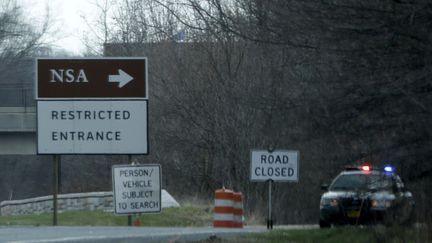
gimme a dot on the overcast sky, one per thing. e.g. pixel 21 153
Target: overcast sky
pixel 68 21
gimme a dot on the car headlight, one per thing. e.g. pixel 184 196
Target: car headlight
pixel 329 202
pixel 381 203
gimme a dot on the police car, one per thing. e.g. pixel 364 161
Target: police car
pixel 363 195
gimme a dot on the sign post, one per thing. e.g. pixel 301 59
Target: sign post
pixel 270 219
pixel 56 163
pixel 90 106
pixel 129 217
pixel 274 166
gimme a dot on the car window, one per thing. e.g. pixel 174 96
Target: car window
pixel 380 182
pixel 361 182
pixel 346 182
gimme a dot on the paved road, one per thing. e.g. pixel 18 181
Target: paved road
pixel 115 234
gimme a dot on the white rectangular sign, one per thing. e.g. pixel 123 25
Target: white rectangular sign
pixel 137 189
pixel 279 165
pixel 92 127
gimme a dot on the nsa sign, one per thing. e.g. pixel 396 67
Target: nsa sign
pixel 92 106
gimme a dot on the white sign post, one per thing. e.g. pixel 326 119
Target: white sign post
pixel 137 189
pixel 277 165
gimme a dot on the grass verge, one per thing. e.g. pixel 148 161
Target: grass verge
pixel 378 234
pixel 296 236
pixel 181 217
pixel 199 216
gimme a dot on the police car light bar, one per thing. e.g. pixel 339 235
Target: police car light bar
pixel 364 168
pixel 369 168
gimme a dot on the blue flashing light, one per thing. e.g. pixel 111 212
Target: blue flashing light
pixel 388 169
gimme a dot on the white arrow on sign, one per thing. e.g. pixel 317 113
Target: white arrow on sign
pixel 122 78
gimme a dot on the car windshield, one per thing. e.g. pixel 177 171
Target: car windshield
pixel 361 182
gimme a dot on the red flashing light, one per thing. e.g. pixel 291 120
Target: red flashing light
pixel 366 168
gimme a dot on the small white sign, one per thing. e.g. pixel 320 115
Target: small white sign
pixel 279 165
pixel 92 127
pixel 137 189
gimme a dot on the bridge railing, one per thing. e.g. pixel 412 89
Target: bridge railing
pixel 17 96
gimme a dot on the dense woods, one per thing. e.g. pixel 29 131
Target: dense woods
pixel 342 82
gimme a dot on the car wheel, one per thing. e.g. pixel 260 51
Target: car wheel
pixel 390 217
pixel 409 215
pixel 323 224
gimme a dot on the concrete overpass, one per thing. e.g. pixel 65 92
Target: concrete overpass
pixel 17 108
pixel 18 130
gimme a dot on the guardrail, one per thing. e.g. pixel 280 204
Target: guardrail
pixel 66 202
pixel 17 119
pixel 89 201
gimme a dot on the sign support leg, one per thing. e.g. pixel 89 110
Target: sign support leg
pixel 129 216
pixel 56 162
pixel 269 219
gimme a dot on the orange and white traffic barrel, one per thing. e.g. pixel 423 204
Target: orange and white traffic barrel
pixel 223 208
pixel 238 210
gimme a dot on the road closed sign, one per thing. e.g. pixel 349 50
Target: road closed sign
pixel 137 189
pixel 278 165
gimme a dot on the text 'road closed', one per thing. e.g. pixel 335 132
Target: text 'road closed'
pixel 280 165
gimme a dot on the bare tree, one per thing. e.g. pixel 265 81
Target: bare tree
pixel 341 81
pixel 18 38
